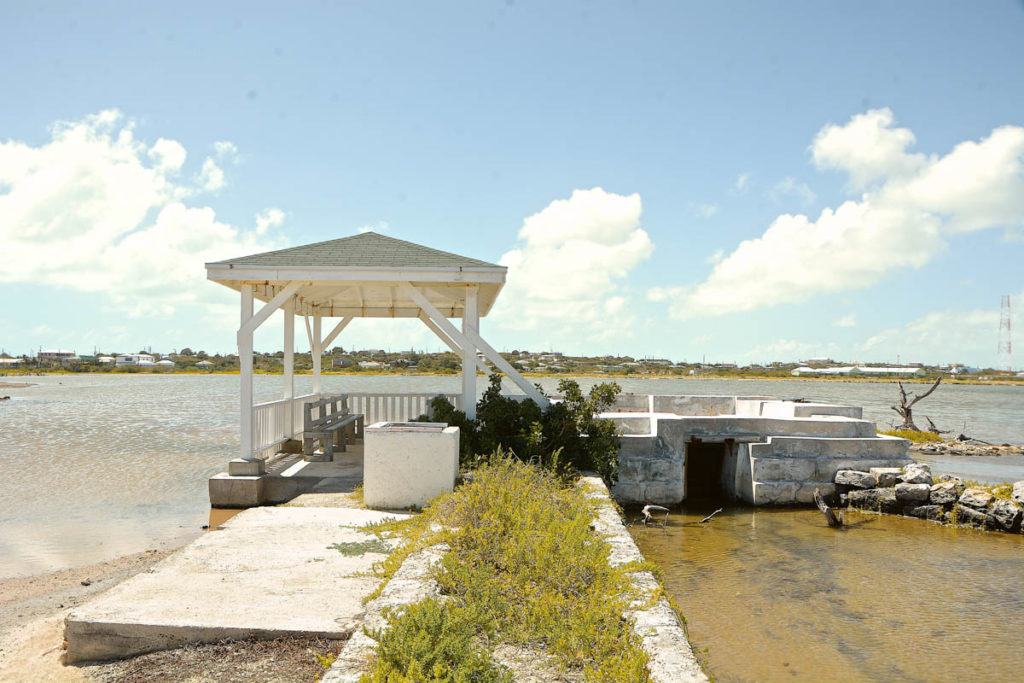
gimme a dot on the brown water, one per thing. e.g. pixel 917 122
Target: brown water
pixel 775 595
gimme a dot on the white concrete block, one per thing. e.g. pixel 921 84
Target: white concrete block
pixel 405 464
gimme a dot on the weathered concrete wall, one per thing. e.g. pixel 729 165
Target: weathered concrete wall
pixel 405 468
pixel 649 471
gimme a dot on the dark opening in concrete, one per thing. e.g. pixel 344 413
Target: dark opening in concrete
pixel 704 470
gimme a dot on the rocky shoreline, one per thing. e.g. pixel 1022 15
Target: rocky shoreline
pixel 969 447
pixel 912 492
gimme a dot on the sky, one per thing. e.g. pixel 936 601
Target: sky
pixel 731 182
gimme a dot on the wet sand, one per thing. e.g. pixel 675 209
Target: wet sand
pixel 33 608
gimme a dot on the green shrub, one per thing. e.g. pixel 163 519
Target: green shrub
pixel 913 436
pixel 566 438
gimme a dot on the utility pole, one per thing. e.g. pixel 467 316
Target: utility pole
pixel 1005 351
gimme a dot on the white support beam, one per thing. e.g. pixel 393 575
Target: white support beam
pixel 245 375
pixel 335 332
pixel 478 342
pixel 484 368
pixel 317 352
pixel 289 362
pixel 309 333
pixel 470 323
pixel 255 321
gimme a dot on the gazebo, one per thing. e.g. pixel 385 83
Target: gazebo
pixel 363 276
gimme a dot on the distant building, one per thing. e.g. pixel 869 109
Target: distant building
pixel 134 359
pixel 204 364
pixel 165 363
pixel 342 362
pixel 860 370
pixel 105 360
pixel 55 356
pixel 10 362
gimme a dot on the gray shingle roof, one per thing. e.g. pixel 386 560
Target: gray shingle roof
pixel 366 250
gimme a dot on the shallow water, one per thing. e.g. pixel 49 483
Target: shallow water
pixel 776 595
pixel 97 466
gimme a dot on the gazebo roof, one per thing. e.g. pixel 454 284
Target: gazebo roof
pixel 362 275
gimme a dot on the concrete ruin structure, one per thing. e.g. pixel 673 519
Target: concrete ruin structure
pixel 760 450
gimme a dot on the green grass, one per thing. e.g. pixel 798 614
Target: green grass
pixel 355 548
pixel 524 569
pixel 913 436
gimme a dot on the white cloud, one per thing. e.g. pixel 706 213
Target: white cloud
pixel 704 210
pixel 787 350
pixel 565 274
pixel 381 227
pixel 225 150
pixel 211 177
pixel 742 181
pixel 267 219
pixel 848 320
pixel 790 187
pixel 716 256
pixel 97 210
pixel 914 203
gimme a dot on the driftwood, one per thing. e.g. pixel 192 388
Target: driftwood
pixel 708 518
pixel 906 405
pixel 933 429
pixel 834 520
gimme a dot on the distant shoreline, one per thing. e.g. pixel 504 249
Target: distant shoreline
pixel 581 375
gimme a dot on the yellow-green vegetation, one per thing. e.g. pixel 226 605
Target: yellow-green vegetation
pixel 355 548
pixel 913 436
pixel 524 569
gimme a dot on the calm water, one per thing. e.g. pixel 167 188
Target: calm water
pixel 102 465
pixel 775 595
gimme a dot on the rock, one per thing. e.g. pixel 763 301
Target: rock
pixel 966 516
pixel 885 476
pixel 844 500
pixel 1018 492
pixel 1006 514
pixel 926 512
pixel 979 499
pixel 887 500
pixel 913 493
pixel 859 480
pixel 867 499
pixel 916 473
pixel 946 492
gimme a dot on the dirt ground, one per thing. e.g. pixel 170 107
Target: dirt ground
pixel 32 612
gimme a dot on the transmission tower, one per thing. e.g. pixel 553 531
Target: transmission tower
pixel 1005 340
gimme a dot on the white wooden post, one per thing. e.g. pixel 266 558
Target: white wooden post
pixel 317 352
pixel 245 376
pixel 470 323
pixel 289 364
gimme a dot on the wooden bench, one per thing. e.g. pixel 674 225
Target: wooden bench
pixel 329 422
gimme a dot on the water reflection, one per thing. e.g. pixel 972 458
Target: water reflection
pixel 777 595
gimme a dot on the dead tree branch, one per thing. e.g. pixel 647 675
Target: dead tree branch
pixel 905 408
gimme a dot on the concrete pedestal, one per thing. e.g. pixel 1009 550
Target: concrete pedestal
pixel 408 463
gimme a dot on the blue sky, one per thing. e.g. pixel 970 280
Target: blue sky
pixel 737 181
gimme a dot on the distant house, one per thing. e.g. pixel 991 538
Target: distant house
pixel 342 362
pixel 55 356
pixel 204 364
pixel 105 360
pixel 141 359
pixel 165 363
pixel 10 362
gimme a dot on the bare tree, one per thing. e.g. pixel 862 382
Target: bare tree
pixel 905 407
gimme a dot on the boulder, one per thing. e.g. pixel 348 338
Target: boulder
pixel 867 499
pixel 979 499
pixel 885 476
pixel 966 516
pixel 1018 492
pixel 858 480
pixel 946 492
pixel 913 493
pixel 925 511
pixel 887 500
pixel 1006 513
pixel 916 473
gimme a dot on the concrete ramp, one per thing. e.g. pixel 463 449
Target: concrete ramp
pixel 269 572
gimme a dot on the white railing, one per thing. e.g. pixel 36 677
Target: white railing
pixel 274 422
pixel 394 407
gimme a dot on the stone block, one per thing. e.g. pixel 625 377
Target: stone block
pixel 933 512
pixel 783 469
pixel 946 492
pixel 912 493
pixel 863 498
pixel 1006 513
pixel 916 473
pixel 628 492
pixel 885 476
pixel 239 467
pixel 227 491
pixel 1018 492
pixel 630 469
pixel 966 516
pixel 859 480
pixel 805 491
pixel 979 499
pixel 664 469
pixel 660 493
pixel 887 500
